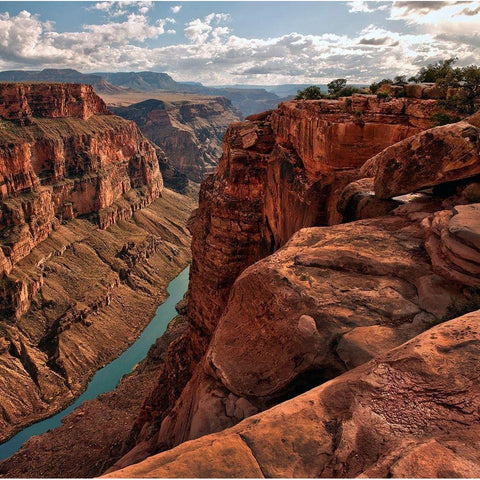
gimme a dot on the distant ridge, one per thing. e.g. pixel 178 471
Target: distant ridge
pixel 64 75
pixel 247 99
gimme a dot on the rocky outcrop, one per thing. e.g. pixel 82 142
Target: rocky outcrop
pixel 189 131
pixel 437 156
pixel 279 172
pixel 73 158
pixel 412 412
pixel 453 243
pixel 282 171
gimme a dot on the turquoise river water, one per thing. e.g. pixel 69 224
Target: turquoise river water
pixel 107 378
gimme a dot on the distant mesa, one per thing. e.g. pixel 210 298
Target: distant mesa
pixel 248 100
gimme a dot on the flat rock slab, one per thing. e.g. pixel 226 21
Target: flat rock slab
pixel 465 224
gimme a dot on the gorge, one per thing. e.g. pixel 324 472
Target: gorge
pixel 88 238
pixel 334 271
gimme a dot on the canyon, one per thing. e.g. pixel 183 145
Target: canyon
pixel 188 128
pixel 330 326
pixel 89 239
pixel 304 268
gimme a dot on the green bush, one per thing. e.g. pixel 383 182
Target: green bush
pixel 383 95
pixel 434 71
pixel 310 93
pixel 440 118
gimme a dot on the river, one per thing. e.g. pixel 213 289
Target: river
pixel 107 378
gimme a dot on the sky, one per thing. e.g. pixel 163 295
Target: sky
pixel 220 43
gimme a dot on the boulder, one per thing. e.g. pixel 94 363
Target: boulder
pixel 439 155
pixel 410 412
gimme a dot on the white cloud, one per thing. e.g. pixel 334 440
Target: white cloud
pixel 122 7
pixel 213 54
pixel 199 30
pixel 176 8
pixel 362 6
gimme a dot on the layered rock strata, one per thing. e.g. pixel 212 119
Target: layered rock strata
pixel 73 158
pixel 189 131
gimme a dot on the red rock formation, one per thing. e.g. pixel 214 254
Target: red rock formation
pixel 73 158
pixel 279 172
pixel 412 412
pixel 439 155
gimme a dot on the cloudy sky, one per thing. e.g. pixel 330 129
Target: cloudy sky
pixel 240 42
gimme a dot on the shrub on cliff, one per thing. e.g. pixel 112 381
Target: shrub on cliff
pixel 336 86
pixel 375 86
pixel 434 71
pixel 310 93
pixel 441 118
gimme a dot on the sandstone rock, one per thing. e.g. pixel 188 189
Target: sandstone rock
pixel 433 157
pixel 465 224
pixel 358 202
pixel 331 299
pixel 397 415
pixel 49 100
pixel 414 90
pixel 452 243
pixel 434 92
pixel 324 133
pixel 279 173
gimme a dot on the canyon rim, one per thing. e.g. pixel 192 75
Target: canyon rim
pixel 239 239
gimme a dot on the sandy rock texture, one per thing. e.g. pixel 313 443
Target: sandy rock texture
pixel 411 412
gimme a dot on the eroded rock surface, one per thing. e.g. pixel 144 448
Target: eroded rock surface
pixel 439 155
pixel 412 412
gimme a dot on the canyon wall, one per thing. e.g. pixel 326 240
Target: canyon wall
pixel 87 246
pixel 282 171
pixel 71 158
pixel 188 130
pixel 328 300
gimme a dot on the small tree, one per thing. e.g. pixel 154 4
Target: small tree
pixel 336 86
pixel 376 85
pixel 435 71
pixel 310 93
pixel 471 85
pixel 400 79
